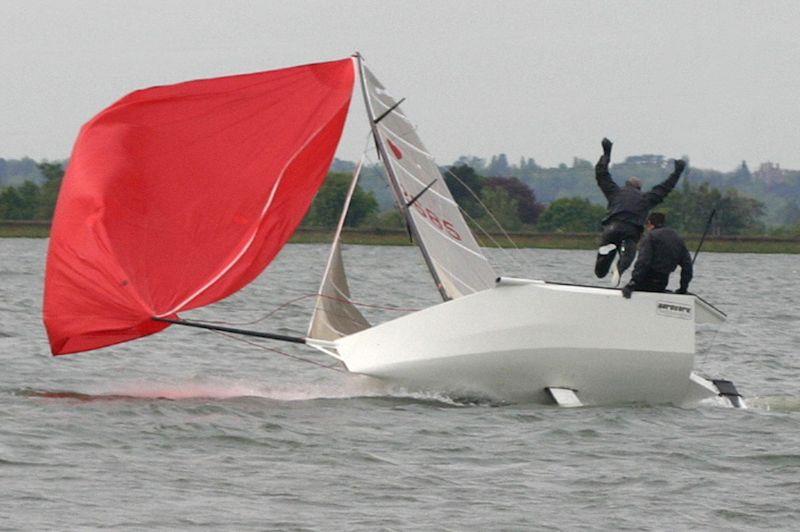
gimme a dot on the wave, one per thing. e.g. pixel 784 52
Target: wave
pixel 355 387
pixel 776 403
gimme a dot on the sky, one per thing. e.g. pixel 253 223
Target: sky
pixel 717 81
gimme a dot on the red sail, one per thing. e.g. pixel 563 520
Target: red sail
pixel 178 196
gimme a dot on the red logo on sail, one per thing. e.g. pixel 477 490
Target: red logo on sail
pixel 397 153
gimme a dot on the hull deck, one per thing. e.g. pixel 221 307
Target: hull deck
pixel 514 341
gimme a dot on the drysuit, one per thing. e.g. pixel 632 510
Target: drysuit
pixel 628 208
pixel 662 251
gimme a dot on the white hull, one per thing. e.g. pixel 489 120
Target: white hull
pixel 514 341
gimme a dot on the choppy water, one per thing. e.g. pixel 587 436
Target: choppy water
pixel 193 430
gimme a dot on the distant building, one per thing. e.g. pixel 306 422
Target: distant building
pixel 770 173
pixel 648 159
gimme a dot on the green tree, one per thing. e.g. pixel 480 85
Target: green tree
pixel 528 210
pixel 790 213
pixel 53 174
pixel 504 208
pixel 581 164
pixel 498 166
pixel 327 206
pixel 10 204
pixel 571 215
pixel 460 180
pixel 392 219
pixel 20 203
pixel 741 177
pixel 688 210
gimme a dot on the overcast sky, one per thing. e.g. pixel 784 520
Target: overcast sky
pixel 717 81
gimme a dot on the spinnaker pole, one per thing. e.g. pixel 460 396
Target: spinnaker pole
pixel 232 330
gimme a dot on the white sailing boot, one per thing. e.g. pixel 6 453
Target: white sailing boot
pixel 605 250
pixel 616 276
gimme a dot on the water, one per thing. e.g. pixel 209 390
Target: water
pixel 193 430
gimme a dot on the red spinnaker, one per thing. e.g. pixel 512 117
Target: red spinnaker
pixel 178 196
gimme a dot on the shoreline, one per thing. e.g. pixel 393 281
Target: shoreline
pixel 399 237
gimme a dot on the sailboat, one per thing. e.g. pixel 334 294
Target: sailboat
pixel 178 196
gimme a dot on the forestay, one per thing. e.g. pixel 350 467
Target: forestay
pixel 450 249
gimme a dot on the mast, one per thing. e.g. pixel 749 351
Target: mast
pixel 398 195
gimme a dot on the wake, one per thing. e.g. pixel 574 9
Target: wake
pixel 356 387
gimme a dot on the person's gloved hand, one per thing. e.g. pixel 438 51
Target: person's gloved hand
pixel 627 291
pixel 680 164
pixel 607 147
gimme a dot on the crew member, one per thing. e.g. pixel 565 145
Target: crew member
pixel 627 210
pixel 662 250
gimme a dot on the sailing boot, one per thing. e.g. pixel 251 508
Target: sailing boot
pixel 616 275
pixel 605 255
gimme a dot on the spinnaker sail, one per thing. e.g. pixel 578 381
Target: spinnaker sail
pixel 453 255
pixel 177 196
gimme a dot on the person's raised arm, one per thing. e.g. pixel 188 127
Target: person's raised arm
pixel 601 173
pixel 660 191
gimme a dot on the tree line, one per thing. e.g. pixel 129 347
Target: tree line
pixel 514 205
pixel 30 201
pixel 776 188
pixel 510 199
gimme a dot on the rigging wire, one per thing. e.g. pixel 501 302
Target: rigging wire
pixel 366 152
pixel 307 296
pixel 368 147
pixel 492 216
pixel 703 353
pixel 526 262
pixel 491 238
pixel 482 229
pixel 332 367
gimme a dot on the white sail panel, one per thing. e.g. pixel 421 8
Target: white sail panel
pixel 453 255
pixel 335 315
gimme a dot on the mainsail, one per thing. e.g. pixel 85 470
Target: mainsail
pixel 177 196
pixel 454 257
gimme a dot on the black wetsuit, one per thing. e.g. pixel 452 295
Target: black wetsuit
pixel 662 250
pixel 628 208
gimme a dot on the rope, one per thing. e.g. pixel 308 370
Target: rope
pixel 713 342
pixel 332 367
pixel 489 212
pixel 368 148
pixel 492 216
pixel 492 239
pixel 525 263
pixel 306 296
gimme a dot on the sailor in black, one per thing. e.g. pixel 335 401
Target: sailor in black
pixel 662 251
pixel 628 207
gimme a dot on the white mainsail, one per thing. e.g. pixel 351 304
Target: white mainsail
pixel 335 315
pixel 454 257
